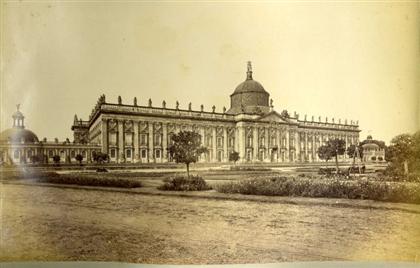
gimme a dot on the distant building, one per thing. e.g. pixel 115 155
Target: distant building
pixel 373 150
pixel 19 145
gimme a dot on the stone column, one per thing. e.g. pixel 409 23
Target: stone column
pixel 297 146
pixel 104 138
pixel 214 144
pixel 287 153
pixel 240 143
pixel 203 142
pixel 255 144
pixel 136 152
pixel 266 145
pixel 150 142
pixel 306 146
pixel 279 144
pixel 164 142
pixel 120 141
pixel 225 145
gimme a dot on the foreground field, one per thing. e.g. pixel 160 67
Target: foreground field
pixel 45 223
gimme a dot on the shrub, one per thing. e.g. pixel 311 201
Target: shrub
pixel 87 180
pixel 248 168
pixel 181 183
pixel 361 188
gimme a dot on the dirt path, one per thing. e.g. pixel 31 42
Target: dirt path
pixel 45 223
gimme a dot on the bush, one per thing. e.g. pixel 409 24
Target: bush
pixel 86 180
pixel 181 183
pixel 20 174
pixel 361 188
pixel 248 168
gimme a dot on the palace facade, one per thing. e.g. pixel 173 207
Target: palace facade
pixel 251 126
pixel 131 133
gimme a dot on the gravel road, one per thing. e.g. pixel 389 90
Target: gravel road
pixel 45 223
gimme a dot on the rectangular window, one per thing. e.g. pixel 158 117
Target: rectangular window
pixel 219 142
pixel 143 139
pixel 50 153
pixel 128 138
pixel 113 138
pixel 128 153
pixel 157 153
pixel 113 153
pixel 231 142
pixel 143 153
pixel 158 139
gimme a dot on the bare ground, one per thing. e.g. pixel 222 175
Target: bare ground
pixel 46 223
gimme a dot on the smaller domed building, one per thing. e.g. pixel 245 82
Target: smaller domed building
pixel 373 150
pixel 19 145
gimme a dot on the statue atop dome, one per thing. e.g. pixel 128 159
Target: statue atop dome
pixel 249 71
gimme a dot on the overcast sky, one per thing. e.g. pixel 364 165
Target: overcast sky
pixel 357 61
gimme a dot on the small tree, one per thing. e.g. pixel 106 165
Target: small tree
pixel 79 158
pixel 332 149
pixel 324 153
pixel 56 159
pixel 401 151
pixel 36 159
pixel 100 157
pixel 337 147
pixel 234 157
pixel 186 148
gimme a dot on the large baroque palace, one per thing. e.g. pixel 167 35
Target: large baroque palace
pixel 141 134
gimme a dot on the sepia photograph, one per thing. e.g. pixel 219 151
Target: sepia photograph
pixel 210 133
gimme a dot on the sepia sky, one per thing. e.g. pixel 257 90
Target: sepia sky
pixel 349 60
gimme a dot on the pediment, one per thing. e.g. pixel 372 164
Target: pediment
pixel 273 117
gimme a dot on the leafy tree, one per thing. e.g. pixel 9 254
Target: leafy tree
pixel 79 158
pixel 338 147
pixel 234 156
pixel 324 153
pixel 35 159
pixel 332 149
pixel 100 157
pixel 186 148
pixel 402 150
pixel 56 159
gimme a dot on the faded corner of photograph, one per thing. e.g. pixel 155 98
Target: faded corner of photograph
pixel 214 132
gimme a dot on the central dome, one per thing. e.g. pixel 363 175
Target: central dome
pixel 249 86
pixel 249 97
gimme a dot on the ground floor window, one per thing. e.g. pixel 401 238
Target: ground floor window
pixel 219 156
pixel 248 155
pixel 16 154
pixel 143 154
pixel 73 154
pixel 29 153
pixel 157 153
pixel 84 154
pixel 113 153
pixel 50 153
pixel 128 153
